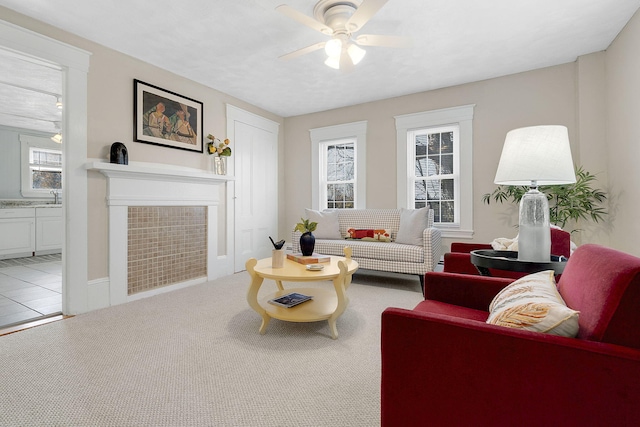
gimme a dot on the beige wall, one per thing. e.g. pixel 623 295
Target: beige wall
pixel 110 110
pixel 545 96
pixel 623 135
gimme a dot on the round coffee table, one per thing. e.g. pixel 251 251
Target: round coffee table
pixel 326 304
pixel 508 260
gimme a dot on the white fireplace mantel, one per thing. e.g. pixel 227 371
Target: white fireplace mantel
pixel 158 170
pixel 152 184
pixel 144 174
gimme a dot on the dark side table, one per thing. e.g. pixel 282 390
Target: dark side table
pixel 508 260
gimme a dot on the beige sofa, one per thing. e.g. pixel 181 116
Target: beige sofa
pixel 415 246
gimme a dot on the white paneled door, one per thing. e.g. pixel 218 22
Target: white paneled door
pixel 255 140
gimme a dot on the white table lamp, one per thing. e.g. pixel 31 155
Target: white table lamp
pixel 533 156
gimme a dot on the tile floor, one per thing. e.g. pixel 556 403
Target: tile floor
pixel 30 288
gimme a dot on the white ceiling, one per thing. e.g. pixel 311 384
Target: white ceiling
pixel 29 91
pixel 233 45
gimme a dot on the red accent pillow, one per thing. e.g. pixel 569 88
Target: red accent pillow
pixel 359 234
pixel 378 235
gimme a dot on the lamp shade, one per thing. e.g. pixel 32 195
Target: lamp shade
pixel 537 153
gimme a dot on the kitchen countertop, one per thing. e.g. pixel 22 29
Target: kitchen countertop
pixel 16 204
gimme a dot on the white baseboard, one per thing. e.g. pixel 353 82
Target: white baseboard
pixel 98 294
pixel 98 290
pixel 165 289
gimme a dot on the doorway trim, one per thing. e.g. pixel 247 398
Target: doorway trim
pixel 75 66
pixel 236 114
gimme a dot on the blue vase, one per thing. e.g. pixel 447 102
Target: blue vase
pixel 307 243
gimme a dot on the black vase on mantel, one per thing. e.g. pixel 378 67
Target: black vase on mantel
pixel 307 243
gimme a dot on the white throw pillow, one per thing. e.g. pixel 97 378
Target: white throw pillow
pixel 328 227
pixel 533 303
pixel 413 222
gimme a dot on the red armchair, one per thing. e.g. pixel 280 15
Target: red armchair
pixel 459 259
pixel 442 365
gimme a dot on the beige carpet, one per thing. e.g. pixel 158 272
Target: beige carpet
pixel 194 357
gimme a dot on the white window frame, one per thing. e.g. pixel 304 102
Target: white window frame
pixel 320 138
pixel 455 175
pixel 406 124
pixel 27 142
pixel 324 173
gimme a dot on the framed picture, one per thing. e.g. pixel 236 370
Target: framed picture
pixel 162 117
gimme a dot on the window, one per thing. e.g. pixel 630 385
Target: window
pixel 436 180
pixel 339 177
pixel 45 167
pixel 41 166
pixel 435 166
pixel 339 166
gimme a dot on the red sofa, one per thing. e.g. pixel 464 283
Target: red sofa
pixel 442 365
pixel 459 259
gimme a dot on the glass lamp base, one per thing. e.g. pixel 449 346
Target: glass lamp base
pixel 534 238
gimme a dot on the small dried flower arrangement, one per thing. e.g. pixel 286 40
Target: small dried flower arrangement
pixel 216 146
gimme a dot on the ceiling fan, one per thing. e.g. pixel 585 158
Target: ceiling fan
pixel 341 20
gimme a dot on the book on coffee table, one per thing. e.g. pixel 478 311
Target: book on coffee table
pixel 290 300
pixel 309 259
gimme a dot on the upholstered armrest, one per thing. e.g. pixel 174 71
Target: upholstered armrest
pixel 439 370
pixel 462 289
pixel 459 262
pixel 432 241
pixel 468 247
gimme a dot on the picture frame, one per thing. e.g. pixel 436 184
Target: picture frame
pixel 165 118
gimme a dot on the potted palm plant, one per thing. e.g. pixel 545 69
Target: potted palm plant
pixel 567 203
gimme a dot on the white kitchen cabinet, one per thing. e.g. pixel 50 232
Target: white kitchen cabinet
pixel 17 232
pixel 48 230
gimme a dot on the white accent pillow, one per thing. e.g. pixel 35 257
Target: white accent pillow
pixel 533 303
pixel 328 227
pixel 413 222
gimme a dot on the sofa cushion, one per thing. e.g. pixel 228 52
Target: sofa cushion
pixel 412 224
pixel 533 303
pixel 373 250
pixel 328 227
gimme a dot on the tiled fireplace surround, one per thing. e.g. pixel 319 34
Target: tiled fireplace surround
pixel 163 224
pixel 166 245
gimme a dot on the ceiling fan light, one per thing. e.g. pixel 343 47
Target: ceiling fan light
pixel 356 53
pixel 333 62
pixel 333 47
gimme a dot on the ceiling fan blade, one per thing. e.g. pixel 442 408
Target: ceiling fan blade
pixel 303 51
pixel 385 41
pixel 304 19
pixel 363 13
